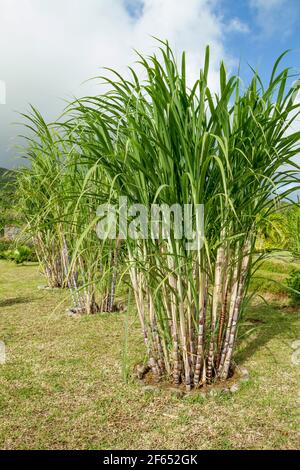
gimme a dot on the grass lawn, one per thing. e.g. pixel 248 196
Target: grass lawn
pixel 63 385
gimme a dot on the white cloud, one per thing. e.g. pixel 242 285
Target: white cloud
pixel 238 26
pixel 49 47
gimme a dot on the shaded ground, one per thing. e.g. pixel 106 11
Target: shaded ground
pixel 63 387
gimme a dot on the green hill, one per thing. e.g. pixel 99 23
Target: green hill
pixel 7 180
pixel 5 175
pixel 7 198
pixel 2 172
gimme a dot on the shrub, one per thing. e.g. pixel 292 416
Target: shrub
pixel 293 281
pixel 19 255
pixel 5 245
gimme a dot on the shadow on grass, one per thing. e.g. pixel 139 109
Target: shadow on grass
pixel 27 264
pixel 267 322
pixel 15 301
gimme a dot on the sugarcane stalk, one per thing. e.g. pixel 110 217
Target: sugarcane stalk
pixel 233 329
pixel 201 327
pixel 214 310
pixel 156 339
pixel 183 336
pixel 222 320
pixel 113 280
pixel 173 302
pixel 136 282
pixel 233 297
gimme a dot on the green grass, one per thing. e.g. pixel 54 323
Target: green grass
pixel 62 386
pixel 269 279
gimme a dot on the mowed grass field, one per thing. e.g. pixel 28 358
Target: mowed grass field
pixel 67 383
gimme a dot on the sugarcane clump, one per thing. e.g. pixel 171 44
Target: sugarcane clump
pixel 159 141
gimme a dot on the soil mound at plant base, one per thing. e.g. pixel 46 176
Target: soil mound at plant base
pixel 149 382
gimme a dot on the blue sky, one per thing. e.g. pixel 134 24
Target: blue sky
pixel 48 48
pixel 258 31
pixel 273 26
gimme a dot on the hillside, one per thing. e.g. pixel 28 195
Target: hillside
pixel 7 198
pixel 5 175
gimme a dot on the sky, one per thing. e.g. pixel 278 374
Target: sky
pixel 50 48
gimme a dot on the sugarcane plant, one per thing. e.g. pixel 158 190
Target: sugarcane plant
pixel 95 262
pixel 160 142
pixel 39 189
pixel 53 194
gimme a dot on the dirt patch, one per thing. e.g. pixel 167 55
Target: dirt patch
pixel 150 383
pixel 291 308
pixel 255 321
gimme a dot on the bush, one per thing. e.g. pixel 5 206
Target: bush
pixel 5 245
pixel 293 281
pixel 19 255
